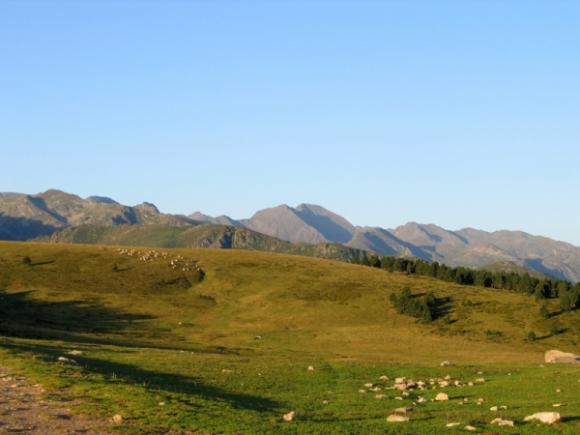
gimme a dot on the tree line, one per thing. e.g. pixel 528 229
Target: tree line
pixel 541 288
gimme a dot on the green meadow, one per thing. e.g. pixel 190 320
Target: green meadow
pixel 228 350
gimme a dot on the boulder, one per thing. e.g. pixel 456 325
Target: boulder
pixel 544 417
pixel 557 357
pixel 395 418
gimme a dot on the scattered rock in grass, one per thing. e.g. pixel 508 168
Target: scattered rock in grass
pixel 383 378
pixel 558 357
pixel 501 422
pixel 556 405
pixel 443 384
pixel 453 424
pixel 227 371
pixel 325 402
pixel 75 352
pixel 289 416
pixel 380 396
pixel 368 385
pixel 544 417
pixel 310 368
pixel 362 391
pixel 441 397
pixel 470 428
pixel 65 360
pixel 445 363
pixel 161 404
pixel 421 399
pixel 398 398
pixel 400 380
pixel 494 408
pixel 396 418
pixel 503 407
pixel 470 384
pixel 403 410
pixel 480 380
pixel 117 419
pixel 558 390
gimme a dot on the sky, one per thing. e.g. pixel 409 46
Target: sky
pixel 458 113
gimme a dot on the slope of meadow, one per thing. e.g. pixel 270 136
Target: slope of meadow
pixel 228 349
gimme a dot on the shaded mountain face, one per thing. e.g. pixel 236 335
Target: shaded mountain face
pixel 23 217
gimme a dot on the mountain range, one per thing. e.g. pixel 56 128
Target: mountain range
pixel 307 228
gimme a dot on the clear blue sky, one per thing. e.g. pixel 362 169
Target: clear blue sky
pixel 460 113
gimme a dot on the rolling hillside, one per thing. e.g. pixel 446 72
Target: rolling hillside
pixel 228 351
pixel 199 236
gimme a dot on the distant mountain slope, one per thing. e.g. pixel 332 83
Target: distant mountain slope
pixel 200 236
pixel 284 223
pixel 25 217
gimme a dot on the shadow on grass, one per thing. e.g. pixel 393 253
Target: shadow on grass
pixel 80 322
pixel 152 380
pixel 23 316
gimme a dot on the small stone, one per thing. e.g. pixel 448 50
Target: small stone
pixel 289 416
pixel 494 409
pixel 480 380
pixel 501 422
pixel 395 418
pixel 383 378
pixel 380 396
pixel 310 368
pixel 64 359
pixel 368 385
pixel 445 364
pixel 454 424
pixel 117 419
pixel 403 410
pixel 556 405
pixel 441 397
pixel 470 428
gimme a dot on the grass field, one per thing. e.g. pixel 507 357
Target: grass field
pixel 229 351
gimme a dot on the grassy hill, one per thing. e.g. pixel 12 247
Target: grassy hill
pixel 227 350
pixel 199 236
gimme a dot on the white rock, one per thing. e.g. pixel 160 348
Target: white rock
pixel 445 363
pixel 421 399
pixel 75 352
pixel 64 359
pixel 558 357
pixel 399 380
pixel 380 396
pixel 310 368
pixel 544 417
pixel 117 419
pixel 502 422
pixel 443 384
pixel 556 405
pixel 441 397
pixel 454 424
pixel 494 409
pixel 368 385
pixel 470 428
pixel 480 380
pixel 403 410
pixel 290 416
pixel 395 418
pixel 383 378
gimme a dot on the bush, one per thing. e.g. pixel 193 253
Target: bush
pixel 544 311
pixel 27 260
pixel 532 336
pixel 422 307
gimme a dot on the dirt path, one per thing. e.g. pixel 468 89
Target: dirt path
pixel 23 409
